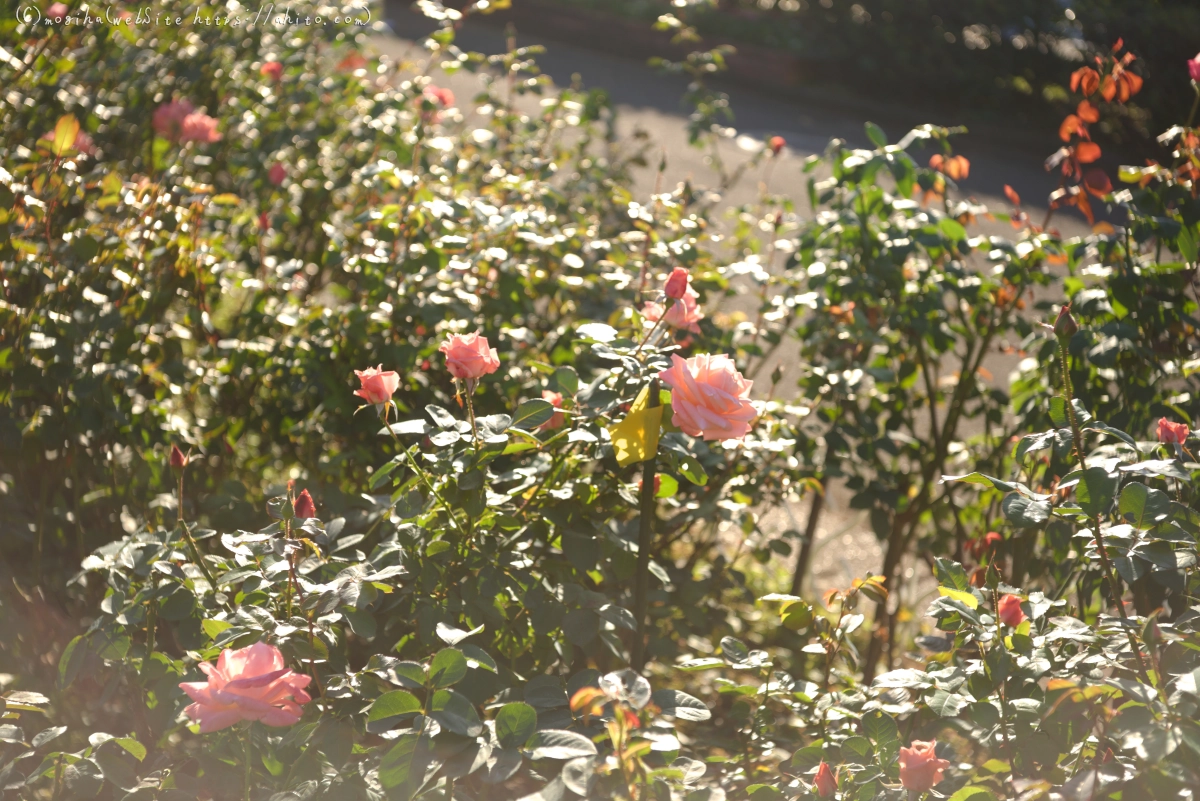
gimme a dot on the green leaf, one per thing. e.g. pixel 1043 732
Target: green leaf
pixel 515 724
pixel 947 704
pixel 560 744
pixel 961 595
pixel 680 705
pixel 1058 412
pixel 987 481
pixel 65 131
pixel 390 709
pixel 455 712
pixel 567 381
pixel 1142 506
pixel 858 749
pixel 875 134
pixel 1095 491
pixel 1025 512
pixel 448 668
pixel 71 661
pixel 952 229
pixel 973 794
pixel 951 574
pixel 581 626
pixel 405 764
pixel 881 729
pixel 532 413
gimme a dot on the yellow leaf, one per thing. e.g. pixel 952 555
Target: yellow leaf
pixel 959 595
pixel 65 132
pixel 226 200
pixel 635 438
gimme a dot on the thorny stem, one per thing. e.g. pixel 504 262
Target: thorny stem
pixel 421 473
pixel 657 324
pixel 1195 103
pixel 645 541
pixel 1105 563
pixel 1003 686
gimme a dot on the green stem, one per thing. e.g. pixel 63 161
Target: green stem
pixel 471 411
pixel 246 779
pixel 645 541
pixel 1105 564
pixel 1195 103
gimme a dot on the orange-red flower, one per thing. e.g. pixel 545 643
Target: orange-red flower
pixel 825 782
pixel 956 167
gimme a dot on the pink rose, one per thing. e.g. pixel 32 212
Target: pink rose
pixel 1194 68
pixel 57 11
pixel 304 506
pixel 920 768
pixel 251 683
pixel 678 283
pixel 556 400
pixel 709 397
pixel 438 95
pixel 469 357
pixel 168 118
pixel 272 70
pixel 825 782
pixel 776 143
pixel 1009 610
pixel 198 127
pixel 1172 433
pixel 684 313
pixel 277 173
pixel 378 385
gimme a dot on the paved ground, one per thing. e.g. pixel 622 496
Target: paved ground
pixel 650 101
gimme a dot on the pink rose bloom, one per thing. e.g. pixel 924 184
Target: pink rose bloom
pixel 709 397
pixel 469 357
pixel 57 11
pixel 684 313
pixel 277 173
pixel 1010 610
pixel 198 127
pixel 378 385
pixel 436 94
pixel 920 768
pixel 555 399
pixel 677 284
pixel 1172 433
pixel 1194 68
pixel 272 70
pixel 168 118
pixel 251 683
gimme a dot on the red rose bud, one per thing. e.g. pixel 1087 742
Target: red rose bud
pixel 825 782
pixel 264 222
pixel 1065 326
pixel 776 143
pixel 677 284
pixel 304 505
pixel 1194 68
pixel 178 458
pixel 1010 611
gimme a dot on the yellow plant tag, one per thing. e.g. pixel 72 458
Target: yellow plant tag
pixel 635 439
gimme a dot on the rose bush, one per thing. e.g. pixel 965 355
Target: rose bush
pixel 524 556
